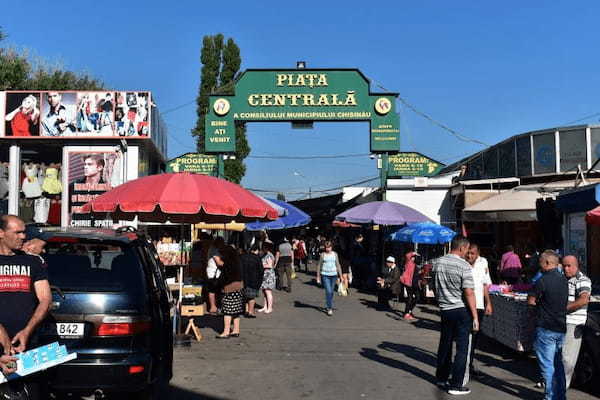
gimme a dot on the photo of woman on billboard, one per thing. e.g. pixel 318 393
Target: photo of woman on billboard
pixel 24 118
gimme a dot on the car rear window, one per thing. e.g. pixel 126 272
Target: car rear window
pixel 93 266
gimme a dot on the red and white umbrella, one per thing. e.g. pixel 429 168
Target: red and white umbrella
pixel 181 198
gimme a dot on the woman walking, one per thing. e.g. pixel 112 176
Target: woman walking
pixel 252 275
pixel 233 300
pixel 269 280
pixel 410 282
pixel 328 271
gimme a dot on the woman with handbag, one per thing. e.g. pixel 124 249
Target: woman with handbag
pixel 328 272
pixel 409 279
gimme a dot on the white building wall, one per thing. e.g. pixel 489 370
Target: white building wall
pixel 435 204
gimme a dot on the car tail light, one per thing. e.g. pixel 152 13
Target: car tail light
pixel 123 328
pixel 136 369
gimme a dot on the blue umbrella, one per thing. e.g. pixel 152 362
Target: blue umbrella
pixel 424 232
pixel 294 218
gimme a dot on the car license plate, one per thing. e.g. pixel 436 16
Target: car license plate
pixel 65 329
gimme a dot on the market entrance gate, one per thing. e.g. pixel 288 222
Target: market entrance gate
pixel 302 96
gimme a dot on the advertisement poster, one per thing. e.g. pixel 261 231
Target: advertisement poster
pixel 171 254
pixel 91 174
pixel 22 117
pixel 56 114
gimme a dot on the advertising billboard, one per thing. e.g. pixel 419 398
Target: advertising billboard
pixel 62 114
pixel 90 174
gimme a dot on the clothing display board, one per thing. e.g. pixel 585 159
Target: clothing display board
pixel 511 323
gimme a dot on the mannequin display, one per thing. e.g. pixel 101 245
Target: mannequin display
pixel 51 183
pixel 3 180
pixel 41 208
pixel 31 186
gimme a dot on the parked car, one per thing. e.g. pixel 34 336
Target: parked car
pixel 111 306
pixel 587 370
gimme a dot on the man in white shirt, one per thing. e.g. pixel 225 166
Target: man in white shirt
pixel 482 280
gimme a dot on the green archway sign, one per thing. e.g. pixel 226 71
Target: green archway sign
pixel 302 95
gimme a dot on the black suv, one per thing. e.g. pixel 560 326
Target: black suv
pixel 111 306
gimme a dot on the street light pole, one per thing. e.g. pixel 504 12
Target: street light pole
pixel 296 173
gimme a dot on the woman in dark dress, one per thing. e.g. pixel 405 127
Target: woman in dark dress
pixel 252 276
pixel 233 299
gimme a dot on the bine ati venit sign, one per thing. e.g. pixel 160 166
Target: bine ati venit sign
pixel 302 96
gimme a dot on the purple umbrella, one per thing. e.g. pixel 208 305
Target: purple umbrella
pixel 382 213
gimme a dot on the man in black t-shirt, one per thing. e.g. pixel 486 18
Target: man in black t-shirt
pixel 25 294
pixel 550 297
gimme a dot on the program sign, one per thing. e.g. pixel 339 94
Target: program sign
pixel 412 164
pixel 194 162
pixel 302 95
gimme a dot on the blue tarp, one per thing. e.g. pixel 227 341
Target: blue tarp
pixel 294 218
pixel 578 200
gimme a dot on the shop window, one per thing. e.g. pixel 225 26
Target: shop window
pixel 40 185
pixel 524 156
pixel 573 150
pixel 507 159
pixel 595 144
pixel 490 163
pixel 475 167
pixel 544 153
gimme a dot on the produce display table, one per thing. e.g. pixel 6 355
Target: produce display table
pixel 511 323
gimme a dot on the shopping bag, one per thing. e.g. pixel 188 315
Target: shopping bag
pixel 342 291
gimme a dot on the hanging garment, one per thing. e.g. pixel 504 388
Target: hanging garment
pixel 51 183
pixel 26 210
pixel 41 173
pixel 54 213
pixel 31 186
pixel 41 208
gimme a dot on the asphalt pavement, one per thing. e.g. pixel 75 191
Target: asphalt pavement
pixel 298 352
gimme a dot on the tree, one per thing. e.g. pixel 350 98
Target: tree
pixel 220 67
pixel 17 73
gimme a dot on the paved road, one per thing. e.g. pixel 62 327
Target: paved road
pixel 298 352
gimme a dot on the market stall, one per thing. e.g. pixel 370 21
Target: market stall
pixel 512 323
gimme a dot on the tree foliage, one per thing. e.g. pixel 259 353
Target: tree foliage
pixel 220 66
pixel 18 73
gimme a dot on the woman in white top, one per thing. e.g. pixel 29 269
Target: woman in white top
pixel 328 271
pixel 269 279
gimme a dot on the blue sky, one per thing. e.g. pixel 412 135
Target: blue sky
pixel 489 70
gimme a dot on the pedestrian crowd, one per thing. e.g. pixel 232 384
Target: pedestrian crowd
pixel 558 301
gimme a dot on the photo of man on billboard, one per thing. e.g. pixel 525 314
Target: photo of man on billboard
pixel 58 114
pixel 90 174
pixel 22 117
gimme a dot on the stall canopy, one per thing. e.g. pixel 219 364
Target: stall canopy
pixel 182 198
pixel 382 213
pixel 281 211
pixel 592 217
pixel 294 218
pixel 510 206
pixel 424 232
